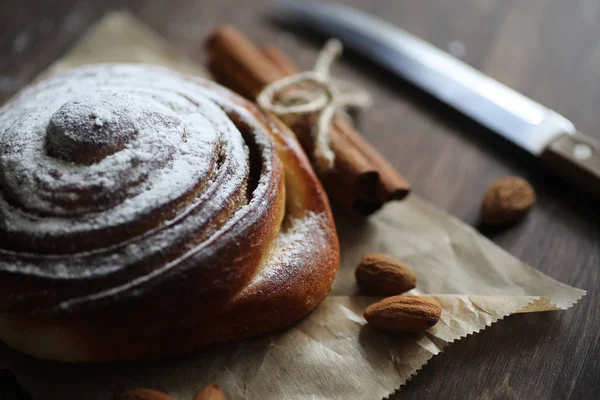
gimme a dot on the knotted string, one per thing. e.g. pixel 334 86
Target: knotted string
pixel 326 97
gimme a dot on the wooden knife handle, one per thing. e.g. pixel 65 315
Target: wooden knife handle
pixel 576 158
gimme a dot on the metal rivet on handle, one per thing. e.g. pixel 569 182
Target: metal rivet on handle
pixel 582 151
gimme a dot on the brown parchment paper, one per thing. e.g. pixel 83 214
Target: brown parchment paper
pixel 332 353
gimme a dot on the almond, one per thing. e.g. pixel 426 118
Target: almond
pixel 382 275
pixel 211 392
pixel 405 314
pixel 143 394
pixel 507 201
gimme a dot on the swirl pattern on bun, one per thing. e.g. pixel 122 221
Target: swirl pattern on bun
pixel 134 198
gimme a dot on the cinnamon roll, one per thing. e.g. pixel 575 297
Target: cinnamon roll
pixel 147 214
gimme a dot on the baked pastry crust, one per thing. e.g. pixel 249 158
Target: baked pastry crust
pixel 146 214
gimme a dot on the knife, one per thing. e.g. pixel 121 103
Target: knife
pixel 530 125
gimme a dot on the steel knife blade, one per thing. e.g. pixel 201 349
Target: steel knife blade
pixel 530 125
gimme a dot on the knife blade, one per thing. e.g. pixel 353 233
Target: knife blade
pixel 530 125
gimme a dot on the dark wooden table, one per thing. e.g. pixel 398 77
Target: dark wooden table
pixel 547 49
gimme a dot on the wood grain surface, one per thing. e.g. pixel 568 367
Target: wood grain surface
pixel 547 49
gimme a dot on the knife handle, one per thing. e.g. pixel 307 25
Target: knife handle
pixel 576 158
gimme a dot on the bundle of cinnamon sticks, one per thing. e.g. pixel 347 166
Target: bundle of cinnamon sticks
pixel 361 180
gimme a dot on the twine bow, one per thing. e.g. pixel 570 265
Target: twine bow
pixel 326 97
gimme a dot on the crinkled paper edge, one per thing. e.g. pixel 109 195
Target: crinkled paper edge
pixel 527 308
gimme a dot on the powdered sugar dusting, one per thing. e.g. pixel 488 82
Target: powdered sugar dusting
pixel 141 174
pixel 302 236
pixel 167 157
pixel 157 135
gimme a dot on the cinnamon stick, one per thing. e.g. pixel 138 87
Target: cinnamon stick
pixel 279 59
pixel 362 180
pixel 233 54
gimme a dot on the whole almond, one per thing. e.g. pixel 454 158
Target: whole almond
pixel 404 314
pixel 211 392
pixel 507 201
pixel 382 275
pixel 142 394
